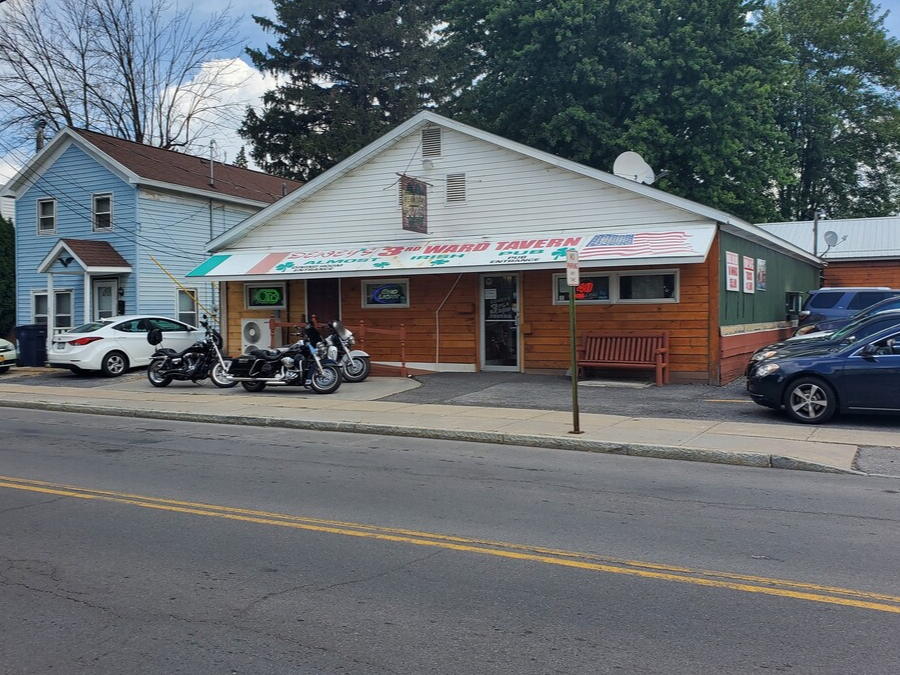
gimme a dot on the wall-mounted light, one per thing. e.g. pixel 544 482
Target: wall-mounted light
pixel 427 164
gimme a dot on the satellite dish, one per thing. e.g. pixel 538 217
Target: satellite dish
pixel 632 166
pixel 831 238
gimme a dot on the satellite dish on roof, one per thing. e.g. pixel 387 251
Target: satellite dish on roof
pixel 831 238
pixel 632 166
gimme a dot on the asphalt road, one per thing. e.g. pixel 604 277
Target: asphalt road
pixel 152 547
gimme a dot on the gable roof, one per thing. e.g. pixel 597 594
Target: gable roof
pixel 155 167
pixel 427 118
pixel 93 256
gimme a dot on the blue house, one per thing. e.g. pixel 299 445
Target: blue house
pixel 107 227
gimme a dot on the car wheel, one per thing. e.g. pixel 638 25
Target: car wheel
pixel 810 400
pixel 114 364
pixel 3 369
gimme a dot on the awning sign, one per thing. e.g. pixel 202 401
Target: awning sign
pixel 687 243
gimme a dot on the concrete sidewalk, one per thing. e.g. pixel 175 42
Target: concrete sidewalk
pixel 357 408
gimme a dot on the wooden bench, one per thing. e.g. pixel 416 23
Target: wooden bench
pixel 626 350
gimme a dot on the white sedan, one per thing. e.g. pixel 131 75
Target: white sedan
pixel 114 345
pixel 8 355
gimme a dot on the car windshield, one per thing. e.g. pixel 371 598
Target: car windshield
pixel 91 327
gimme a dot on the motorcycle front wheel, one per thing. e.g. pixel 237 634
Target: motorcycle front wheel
pixel 326 382
pixel 358 369
pixel 217 375
pixel 253 386
pixel 157 379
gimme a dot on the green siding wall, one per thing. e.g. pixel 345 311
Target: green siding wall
pixel 783 274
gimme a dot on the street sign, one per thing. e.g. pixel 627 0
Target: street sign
pixel 572 276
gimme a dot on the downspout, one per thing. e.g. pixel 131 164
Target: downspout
pixel 437 326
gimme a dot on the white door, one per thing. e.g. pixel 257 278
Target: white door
pixel 105 293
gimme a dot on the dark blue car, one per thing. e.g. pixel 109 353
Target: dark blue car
pixel 812 385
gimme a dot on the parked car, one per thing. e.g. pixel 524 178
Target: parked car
pixel 838 303
pixel 8 355
pixel 861 376
pixel 831 325
pixel 856 330
pixel 114 345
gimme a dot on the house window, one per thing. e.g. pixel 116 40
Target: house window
pixel 614 287
pixel 63 315
pixel 46 209
pixel 102 213
pixel 456 188
pixel 264 296
pixel 187 306
pixel 385 293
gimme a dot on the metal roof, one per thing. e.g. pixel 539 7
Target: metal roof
pixel 857 238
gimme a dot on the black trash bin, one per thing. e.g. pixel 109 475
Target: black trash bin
pixel 32 344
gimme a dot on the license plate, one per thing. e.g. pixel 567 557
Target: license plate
pixel 60 345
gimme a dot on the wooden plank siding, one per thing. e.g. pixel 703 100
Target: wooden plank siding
pixel 863 273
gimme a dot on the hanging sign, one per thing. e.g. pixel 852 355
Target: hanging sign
pixel 414 204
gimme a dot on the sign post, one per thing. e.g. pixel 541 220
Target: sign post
pixel 573 279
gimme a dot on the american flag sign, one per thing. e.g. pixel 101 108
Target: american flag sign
pixel 636 245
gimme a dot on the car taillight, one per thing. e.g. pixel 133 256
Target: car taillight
pixel 81 342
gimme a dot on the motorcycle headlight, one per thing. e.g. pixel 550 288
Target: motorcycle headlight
pixel 766 369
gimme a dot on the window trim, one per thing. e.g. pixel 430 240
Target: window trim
pixel 614 287
pixel 365 294
pixel 40 217
pixel 196 301
pixel 95 213
pixel 35 293
pixel 258 284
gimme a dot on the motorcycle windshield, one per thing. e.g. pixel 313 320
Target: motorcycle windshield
pixel 341 330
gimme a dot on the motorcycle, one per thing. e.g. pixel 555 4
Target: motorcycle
pixel 302 364
pixel 355 364
pixel 201 360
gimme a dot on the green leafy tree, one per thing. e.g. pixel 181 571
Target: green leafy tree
pixel 842 111
pixel 689 84
pixel 347 72
pixel 7 276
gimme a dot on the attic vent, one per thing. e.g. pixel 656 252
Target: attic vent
pixel 431 142
pixel 456 188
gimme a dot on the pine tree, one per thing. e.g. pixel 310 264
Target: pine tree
pixel 351 70
pixel 241 159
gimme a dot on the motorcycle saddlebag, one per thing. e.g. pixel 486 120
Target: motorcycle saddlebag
pixel 249 366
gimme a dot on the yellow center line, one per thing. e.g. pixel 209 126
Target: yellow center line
pixel 584 561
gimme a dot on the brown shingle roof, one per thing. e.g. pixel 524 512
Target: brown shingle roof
pixel 95 253
pixel 189 171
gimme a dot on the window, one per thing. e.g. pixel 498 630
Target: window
pixel 264 296
pixel 102 213
pixel 63 315
pixel 625 287
pixel 385 292
pixel 187 306
pixel 643 287
pixel 46 210
pixel 592 289
pixel 865 299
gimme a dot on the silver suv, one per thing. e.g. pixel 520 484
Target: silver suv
pixel 837 303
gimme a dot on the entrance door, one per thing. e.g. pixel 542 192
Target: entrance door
pixel 105 294
pixel 323 299
pixel 500 322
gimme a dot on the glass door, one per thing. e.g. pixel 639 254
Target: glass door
pixel 105 295
pixel 500 322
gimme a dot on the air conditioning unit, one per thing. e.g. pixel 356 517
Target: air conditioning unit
pixel 255 333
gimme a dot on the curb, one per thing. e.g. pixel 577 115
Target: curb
pixel 603 447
